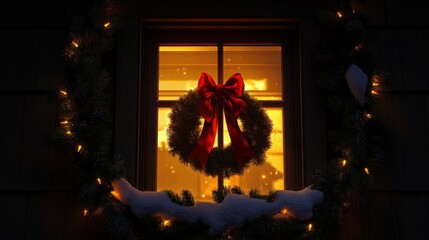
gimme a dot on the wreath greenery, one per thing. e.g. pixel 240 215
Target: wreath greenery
pixel 184 131
pixel 86 126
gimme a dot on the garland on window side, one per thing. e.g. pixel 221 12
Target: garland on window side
pixel 86 127
pixel 355 134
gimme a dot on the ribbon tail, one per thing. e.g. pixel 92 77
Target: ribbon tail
pixel 239 143
pixel 205 143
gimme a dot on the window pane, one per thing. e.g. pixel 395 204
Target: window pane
pixel 260 66
pixel 270 175
pixel 173 175
pixel 180 68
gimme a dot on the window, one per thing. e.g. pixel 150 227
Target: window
pixel 174 66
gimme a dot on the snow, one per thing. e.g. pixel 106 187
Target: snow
pixel 234 211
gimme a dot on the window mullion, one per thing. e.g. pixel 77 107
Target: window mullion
pixel 220 81
pixel 220 183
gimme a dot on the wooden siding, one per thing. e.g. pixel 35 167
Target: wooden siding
pixel 37 200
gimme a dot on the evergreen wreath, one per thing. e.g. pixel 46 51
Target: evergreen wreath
pixel 183 132
pixel 85 125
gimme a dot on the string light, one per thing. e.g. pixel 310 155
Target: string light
pixel 63 92
pixel 310 227
pixel 263 176
pixel 344 162
pixel 375 84
pixel 339 14
pixel 106 25
pixel 64 122
pixel 374 92
pixel 68 132
pixel 115 194
pixel 368 115
pixel 85 212
pixel 358 47
pixel 79 148
pixel 166 223
pixel 366 170
pixel 75 44
pixel 99 180
pixel 284 211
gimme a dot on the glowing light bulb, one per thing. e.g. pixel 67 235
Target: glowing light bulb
pixel 166 223
pixel 344 162
pixel 374 92
pixel 369 115
pixel 375 84
pixel 106 25
pixel 358 47
pixel 115 194
pixel 203 195
pixel 68 132
pixel 99 180
pixel 75 44
pixel 79 148
pixel 63 92
pixel 339 14
pixel 366 170
pixel 85 212
pixel 284 211
pixel 310 227
pixel 263 176
pixel 64 122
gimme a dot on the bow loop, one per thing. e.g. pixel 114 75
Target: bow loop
pixel 230 94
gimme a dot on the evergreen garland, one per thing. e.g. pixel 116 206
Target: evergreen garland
pixel 86 126
pixel 355 133
pixel 184 130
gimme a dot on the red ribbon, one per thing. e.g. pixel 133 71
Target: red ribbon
pixel 230 94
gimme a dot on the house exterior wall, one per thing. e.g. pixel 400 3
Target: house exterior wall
pixel 37 199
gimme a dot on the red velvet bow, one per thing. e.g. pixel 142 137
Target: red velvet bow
pixel 230 93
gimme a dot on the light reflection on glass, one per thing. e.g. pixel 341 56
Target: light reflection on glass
pixel 260 67
pixel 180 68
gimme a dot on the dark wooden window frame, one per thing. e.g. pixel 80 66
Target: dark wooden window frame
pixel 212 31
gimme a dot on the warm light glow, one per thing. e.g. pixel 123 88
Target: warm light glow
pixel 310 227
pixel 204 196
pixel 358 47
pixel 344 162
pixel 85 212
pixel 263 176
pixel 63 92
pixel 99 180
pixel 374 92
pixel 107 24
pixel 166 223
pixel 79 148
pixel 64 122
pixel 366 170
pixel 115 194
pixel 369 115
pixel 68 132
pixel 375 84
pixel 284 211
pixel 339 14
pixel 75 44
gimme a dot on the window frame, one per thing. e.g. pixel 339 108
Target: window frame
pixel 283 32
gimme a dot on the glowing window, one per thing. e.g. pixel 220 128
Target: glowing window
pixel 179 70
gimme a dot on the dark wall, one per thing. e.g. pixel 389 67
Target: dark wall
pixel 37 200
pixel 36 196
pixel 398 206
